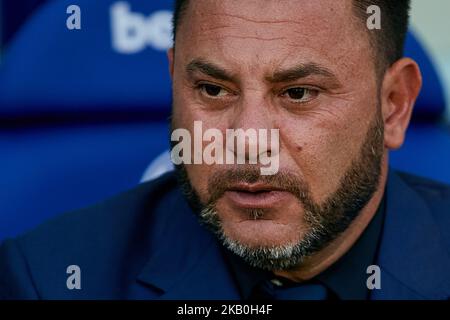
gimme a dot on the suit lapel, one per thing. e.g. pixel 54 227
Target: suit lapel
pixel 187 262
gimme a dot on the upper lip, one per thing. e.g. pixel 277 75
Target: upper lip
pixel 253 187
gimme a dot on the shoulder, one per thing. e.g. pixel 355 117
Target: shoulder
pixel 433 192
pixel 100 238
pixel 437 197
pixel 431 187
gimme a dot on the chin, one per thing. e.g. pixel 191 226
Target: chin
pixel 262 233
pixel 268 227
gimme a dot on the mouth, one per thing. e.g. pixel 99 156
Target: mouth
pixel 255 196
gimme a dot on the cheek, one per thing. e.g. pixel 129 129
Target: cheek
pixel 195 177
pixel 185 114
pixel 321 152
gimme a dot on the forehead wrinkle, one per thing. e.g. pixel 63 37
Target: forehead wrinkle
pixel 242 38
pixel 229 15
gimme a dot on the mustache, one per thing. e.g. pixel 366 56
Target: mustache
pixel 224 180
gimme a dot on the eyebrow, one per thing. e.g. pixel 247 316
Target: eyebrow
pixel 210 69
pixel 298 72
pixel 301 71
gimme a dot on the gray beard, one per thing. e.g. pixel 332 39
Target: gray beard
pixel 325 222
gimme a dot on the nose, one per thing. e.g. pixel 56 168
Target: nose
pixel 250 131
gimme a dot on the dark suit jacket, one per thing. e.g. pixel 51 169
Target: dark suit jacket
pixel 147 244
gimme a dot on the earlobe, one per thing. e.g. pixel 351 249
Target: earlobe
pixel 400 88
pixel 170 58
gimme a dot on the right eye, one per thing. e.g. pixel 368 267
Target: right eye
pixel 212 91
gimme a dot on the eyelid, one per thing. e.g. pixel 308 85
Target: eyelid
pixel 200 83
pixel 311 91
pixel 199 87
pixel 307 87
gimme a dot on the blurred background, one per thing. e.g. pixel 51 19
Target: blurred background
pixel 84 111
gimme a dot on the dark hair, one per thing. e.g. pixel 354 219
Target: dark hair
pixel 388 42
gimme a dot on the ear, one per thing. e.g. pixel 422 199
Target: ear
pixel 399 91
pixel 170 57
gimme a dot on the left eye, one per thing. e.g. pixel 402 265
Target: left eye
pixel 299 94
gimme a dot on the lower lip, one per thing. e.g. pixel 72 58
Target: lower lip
pixel 267 199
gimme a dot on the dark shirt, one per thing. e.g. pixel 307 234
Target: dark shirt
pixel 346 279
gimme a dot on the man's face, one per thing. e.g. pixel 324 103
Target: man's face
pixel 305 68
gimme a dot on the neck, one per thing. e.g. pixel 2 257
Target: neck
pixel 322 260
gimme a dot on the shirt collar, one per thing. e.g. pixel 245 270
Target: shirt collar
pixel 246 277
pixel 345 279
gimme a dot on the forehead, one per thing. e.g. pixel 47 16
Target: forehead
pixel 272 31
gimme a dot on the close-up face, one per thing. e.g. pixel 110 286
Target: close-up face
pixel 305 68
pixel 216 150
